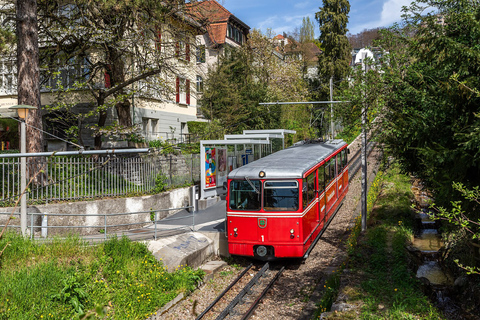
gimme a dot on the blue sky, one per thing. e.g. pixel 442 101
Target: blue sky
pixel 285 15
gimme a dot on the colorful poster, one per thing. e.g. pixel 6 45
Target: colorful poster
pixel 210 168
pixel 222 166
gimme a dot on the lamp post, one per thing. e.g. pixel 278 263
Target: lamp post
pixel 22 111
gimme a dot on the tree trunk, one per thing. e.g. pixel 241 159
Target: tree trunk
pixel 29 71
pixel 123 112
pixel 102 119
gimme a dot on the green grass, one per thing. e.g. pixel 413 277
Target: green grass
pixel 380 282
pixel 119 279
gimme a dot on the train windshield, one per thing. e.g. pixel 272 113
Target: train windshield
pixel 281 195
pixel 245 194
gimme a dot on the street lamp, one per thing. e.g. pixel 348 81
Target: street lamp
pixel 22 111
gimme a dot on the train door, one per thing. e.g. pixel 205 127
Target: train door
pixel 340 166
pixel 309 195
pixel 322 205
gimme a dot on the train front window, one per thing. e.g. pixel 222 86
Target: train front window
pixel 245 194
pixel 281 195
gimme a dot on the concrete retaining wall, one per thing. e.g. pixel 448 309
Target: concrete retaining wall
pixel 177 198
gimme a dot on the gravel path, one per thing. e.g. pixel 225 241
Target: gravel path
pixel 300 287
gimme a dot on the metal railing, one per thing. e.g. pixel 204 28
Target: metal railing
pixel 151 224
pixel 92 177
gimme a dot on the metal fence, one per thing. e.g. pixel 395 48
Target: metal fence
pixel 91 177
pixel 99 227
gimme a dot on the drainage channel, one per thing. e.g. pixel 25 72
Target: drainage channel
pixel 426 247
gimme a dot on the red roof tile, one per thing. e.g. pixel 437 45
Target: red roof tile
pixel 215 16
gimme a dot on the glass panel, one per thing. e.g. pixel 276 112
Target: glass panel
pixel 280 184
pixel 332 169
pixel 281 195
pixel 308 189
pixel 245 195
pixel 321 179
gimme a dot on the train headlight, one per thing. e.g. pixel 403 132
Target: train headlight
pixel 292 235
pixel 261 174
pixel 235 232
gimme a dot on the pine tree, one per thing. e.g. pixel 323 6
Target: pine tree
pixel 333 19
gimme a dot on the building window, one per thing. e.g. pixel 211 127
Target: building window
pixel 183 91
pixel 182 50
pixel 65 73
pixel 201 54
pixel 199 84
pixel 8 77
pixel 235 34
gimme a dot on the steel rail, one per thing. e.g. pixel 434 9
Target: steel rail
pixel 220 296
pixel 242 293
pixel 355 166
pixel 264 292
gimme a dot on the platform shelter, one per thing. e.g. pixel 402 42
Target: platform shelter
pixel 219 157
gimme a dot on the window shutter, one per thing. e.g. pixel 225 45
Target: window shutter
pixel 187 89
pixel 108 83
pixel 178 90
pixel 159 39
pixel 187 52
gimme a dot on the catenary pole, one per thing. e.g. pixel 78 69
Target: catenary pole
pixel 331 107
pixel 364 167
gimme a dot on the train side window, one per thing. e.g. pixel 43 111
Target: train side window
pixel 281 196
pixel 308 189
pixel 327 174
pixel 345 157
pixel 341 161
pixel 321 179
pixel 245 194
pixel 333 166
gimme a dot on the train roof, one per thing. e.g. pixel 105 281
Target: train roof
pixel 290 163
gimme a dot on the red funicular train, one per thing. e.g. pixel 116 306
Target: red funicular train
pixel 279 205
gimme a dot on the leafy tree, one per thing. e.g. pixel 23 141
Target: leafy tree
pixel 253 74
pixel 108 50
pixel 307 30
pixel 334 61
pixel 365 90
pixel 28 72
pixel 333 19
pixel 7 38
pixel 232 93
pixel 431 121
pixel 365 38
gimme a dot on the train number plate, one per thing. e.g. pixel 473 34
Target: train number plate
pixel 262 222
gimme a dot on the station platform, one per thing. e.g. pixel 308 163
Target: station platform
pixel 202 235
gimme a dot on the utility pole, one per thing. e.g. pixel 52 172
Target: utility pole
pixel 331 106
pixel 364 167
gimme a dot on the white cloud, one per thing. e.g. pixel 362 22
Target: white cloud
pixel 391 13
pixel 302 5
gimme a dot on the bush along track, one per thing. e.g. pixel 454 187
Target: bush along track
pixel 69 279
pixel 376 282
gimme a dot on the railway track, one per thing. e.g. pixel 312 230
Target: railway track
pixel 249 293
pixel 355 162
pixel 248 297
